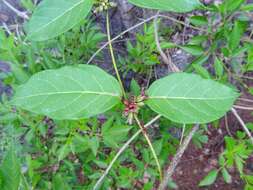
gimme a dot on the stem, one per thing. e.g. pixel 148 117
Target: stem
pixel 243 107
pixel 243 124
pixel 19 13
pixel 182 135
pixel 122 149
pixel 183 23
pixel 150 146
pixel 112 54
pixel 177 159
pixel 165 58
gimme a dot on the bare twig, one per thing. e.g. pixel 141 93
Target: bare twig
pixel 136 26
pixel 243 107
pixel 118 36
pixel 183 23
pixel 182 135
pixel 227 126
pixel 242 124
pixel 122 149
pixel 19 13
pixel 165 58
pixel 246 100
pixel 177 158
pixel 150 146
pixel 6 28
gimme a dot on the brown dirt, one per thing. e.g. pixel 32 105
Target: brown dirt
pixel 196 163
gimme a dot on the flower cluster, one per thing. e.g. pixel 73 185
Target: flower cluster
pixel 103 5
pixel 132 107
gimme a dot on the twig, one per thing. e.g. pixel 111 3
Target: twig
pixel 177 158
pixel 183 23
pixel 6 28
pixel 165 58
pixel 150 146
pixel 122 149
pixel 242 124
pixel 19 13
pixel 182 135
pixel 136 26
pixel 246 100
pixel 227 126
pixel 112 54
pixel 118 36
pixel 243 107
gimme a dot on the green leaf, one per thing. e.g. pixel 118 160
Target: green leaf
pixel 168 5
pixel 94 145
pixel 227 177
pixel 59 183
pixel 10 171
pixel 247 7
pixel 197 40
pixel 193 49
pixel 188 98
pixel 69 93
pixel 209 179
pixel 201 71
pixel 63 152
pixel 199 20
pixel 54 17
pixel 232 5
pixel 135 88
pixel 239 164
pixel 218 66
pixel 236 34
pixel 115 134
pixel 222 160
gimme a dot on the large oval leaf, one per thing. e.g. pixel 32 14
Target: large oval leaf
pixel 54 17
pixel 188 98
pixel 179 6
pixel 69 92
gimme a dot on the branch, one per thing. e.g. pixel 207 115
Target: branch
pixel 177 158
pixel 243 107
pixel 122 149
pixel 183 23
pixel 19 13
pixel 165 58
pixel 118 36
pixel 242 124
pixel 112 54
pixel 150 146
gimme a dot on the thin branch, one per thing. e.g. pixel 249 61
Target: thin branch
pixel 177 158
pixel 227 126
pixel 150 146
pixel 246 100
pixel 183 23
pixel 112 54
pixel 122 149
pixel 6 28
pixel 182 135
pixel 19 13
pixel 242 124
pixel 165 58
pixel 243 107
pixel 118 36
pixel 136 26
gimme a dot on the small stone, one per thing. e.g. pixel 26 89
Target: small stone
pixel 206 151
pixel 213 162
pixel 3 17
